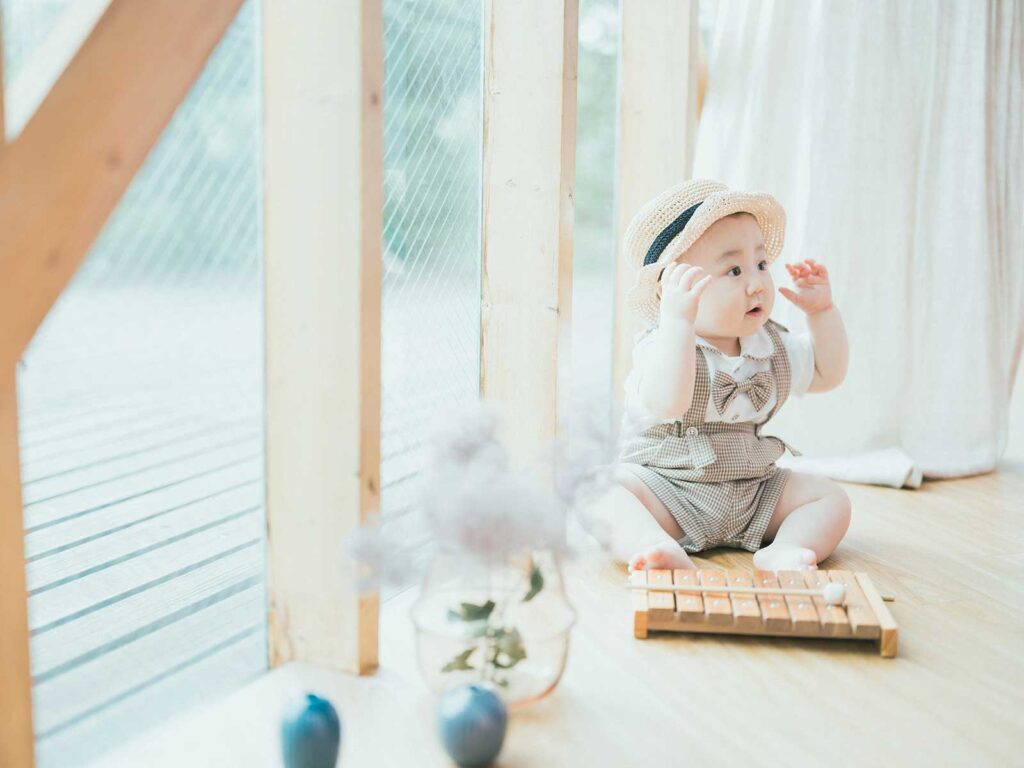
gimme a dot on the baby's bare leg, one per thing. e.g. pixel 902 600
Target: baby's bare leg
pixel 810 519
pixel 633 523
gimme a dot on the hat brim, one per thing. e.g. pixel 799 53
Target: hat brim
pixel 766 210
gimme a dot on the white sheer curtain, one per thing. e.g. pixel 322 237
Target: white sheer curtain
pixel 892 133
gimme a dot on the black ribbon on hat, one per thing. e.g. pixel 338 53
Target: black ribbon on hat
pixel 668 233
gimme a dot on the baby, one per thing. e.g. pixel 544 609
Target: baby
pixel 708 374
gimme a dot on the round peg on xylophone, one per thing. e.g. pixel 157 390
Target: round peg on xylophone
pixel 834 593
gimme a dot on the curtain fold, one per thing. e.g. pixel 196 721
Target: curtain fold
pixel 892 134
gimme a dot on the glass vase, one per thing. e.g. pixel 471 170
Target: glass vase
pixel 502 622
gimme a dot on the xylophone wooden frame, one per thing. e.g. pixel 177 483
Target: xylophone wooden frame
pixel 862 617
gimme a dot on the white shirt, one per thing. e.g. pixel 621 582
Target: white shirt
pixel 755 353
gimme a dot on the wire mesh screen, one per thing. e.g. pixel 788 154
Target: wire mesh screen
pixel 26 24
pixel 142 429
pixel 431 246
pixel 594 200
pixel 594 234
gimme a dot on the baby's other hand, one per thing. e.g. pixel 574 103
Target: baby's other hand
pixel 814 293
pixel 681 290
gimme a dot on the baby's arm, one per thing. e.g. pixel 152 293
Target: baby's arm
pixel 830 349
pixel 666 370
pixel 667 366
pixel 828 335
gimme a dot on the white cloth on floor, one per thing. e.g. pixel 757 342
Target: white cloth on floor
pixel 888 466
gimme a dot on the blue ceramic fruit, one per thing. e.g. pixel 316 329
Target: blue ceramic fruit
pixel 311 734
pixel 471 721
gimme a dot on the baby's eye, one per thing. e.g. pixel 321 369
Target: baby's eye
pixel 763 265
pixel 735 272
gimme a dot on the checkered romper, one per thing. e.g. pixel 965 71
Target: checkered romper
pixel 719 480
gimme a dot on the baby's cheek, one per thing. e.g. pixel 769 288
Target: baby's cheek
pixel 716 309
pixel 711 301
pixel 729 301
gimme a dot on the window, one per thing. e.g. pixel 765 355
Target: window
pixel 141 427
pixel 431 248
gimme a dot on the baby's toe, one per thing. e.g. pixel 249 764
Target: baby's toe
pixel 656 559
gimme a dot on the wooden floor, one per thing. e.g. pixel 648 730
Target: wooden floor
pixel 952 553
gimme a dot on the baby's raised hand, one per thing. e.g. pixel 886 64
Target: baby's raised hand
pixel 681 289
pixel 814 293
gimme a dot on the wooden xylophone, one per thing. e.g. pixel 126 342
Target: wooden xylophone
pixel 756 607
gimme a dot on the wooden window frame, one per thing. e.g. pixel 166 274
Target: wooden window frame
pixel 529 163
pixel 323 81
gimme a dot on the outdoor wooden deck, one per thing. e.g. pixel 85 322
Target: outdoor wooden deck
pixel 142 479
pixel 143 486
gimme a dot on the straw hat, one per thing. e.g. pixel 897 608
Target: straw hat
pixel 670 223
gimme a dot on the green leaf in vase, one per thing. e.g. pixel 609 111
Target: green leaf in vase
pixel 459 662
pixel 508 643
pixel 472 612
pixel 536 583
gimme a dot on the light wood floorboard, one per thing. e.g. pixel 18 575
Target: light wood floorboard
pixel 951 553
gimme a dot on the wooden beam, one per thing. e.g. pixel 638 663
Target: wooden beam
pixel 657 114
pixel 529 168
pixel 323 71
pixel 62 177
pixel 16 734
pixel 16 739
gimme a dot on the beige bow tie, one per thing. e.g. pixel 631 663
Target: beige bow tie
pixel 758 388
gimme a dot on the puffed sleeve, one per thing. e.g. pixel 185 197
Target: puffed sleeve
pixel 800 349
pixel 636 416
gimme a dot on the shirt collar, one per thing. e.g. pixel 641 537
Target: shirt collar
pixel 757 346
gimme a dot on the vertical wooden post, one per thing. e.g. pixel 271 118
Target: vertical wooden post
pixel 16 739
pixel 323 67
pixel 657 114
pixel 528 176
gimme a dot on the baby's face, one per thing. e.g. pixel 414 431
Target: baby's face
pixel 741 294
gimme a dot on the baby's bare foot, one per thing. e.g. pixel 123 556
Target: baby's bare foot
pixel 666 555
pixel 785 557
